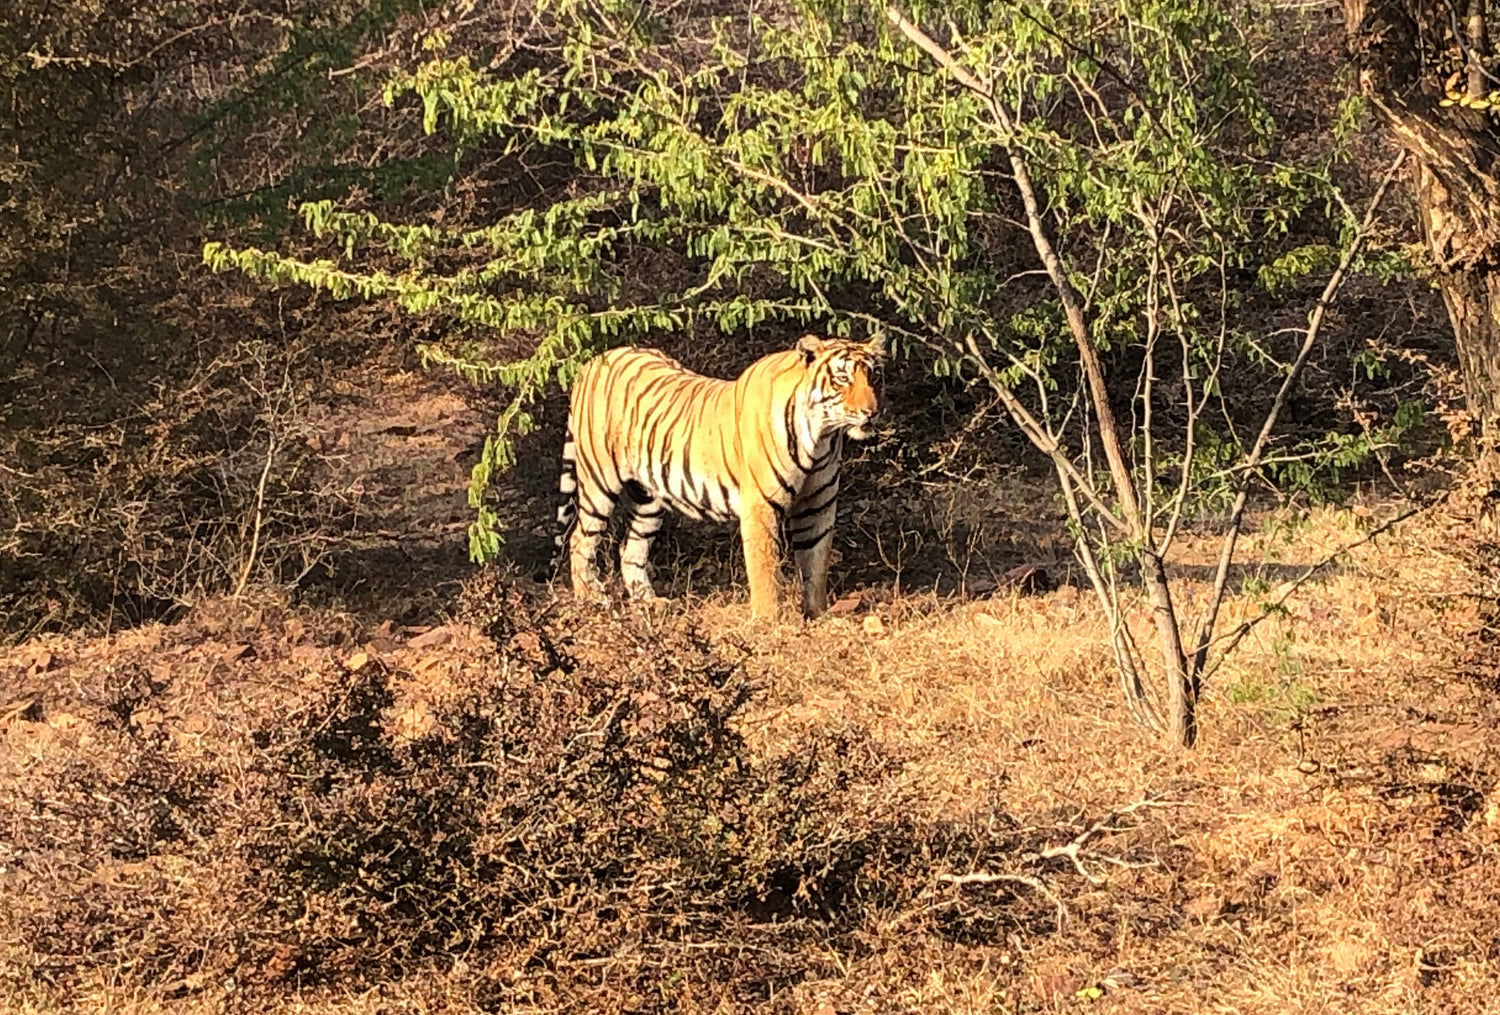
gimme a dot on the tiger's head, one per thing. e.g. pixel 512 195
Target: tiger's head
pixel 843 380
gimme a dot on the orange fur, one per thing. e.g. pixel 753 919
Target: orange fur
pixel 763 448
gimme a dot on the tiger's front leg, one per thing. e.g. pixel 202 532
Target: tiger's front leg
pixel 811 532
pixel 813 564
pixel 758 533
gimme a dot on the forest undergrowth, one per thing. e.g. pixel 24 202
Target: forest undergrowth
pixel 924 802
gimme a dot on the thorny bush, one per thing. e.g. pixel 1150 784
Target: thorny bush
pixel 577 811
pixel 588 800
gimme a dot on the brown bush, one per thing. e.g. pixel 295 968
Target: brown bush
pixel 575 813
pixel 204 481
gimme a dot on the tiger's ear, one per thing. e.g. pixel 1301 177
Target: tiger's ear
pixel 809 346
pixel 876 345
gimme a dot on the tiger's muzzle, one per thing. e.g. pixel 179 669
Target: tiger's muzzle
pixel 861 429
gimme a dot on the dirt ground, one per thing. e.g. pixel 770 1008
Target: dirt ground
pixel 404 785
pixel 928 801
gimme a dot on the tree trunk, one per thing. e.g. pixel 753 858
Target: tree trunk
pixel 1405 63
pixel 1182 685
pixel 1473 300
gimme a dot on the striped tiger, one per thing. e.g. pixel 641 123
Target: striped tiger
pixel 763 448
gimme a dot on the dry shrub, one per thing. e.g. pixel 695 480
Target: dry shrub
pixel 99 818
pixel 573 822
pixel 131 507
pixel 589 800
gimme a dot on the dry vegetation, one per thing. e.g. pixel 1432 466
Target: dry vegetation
pixel 921 803
pixel 376 781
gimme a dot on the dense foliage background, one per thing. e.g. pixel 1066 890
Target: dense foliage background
pixel 1107 217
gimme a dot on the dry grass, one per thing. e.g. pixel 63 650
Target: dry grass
pixel 1334 821
pixel 1332 845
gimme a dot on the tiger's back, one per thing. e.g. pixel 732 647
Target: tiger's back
pixel 658 424
pixel 763 448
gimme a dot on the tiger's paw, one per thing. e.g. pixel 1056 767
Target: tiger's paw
pixel 640 593
pixel 590 590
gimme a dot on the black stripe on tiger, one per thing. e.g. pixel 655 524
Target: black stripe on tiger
pixel 807 503
pixel 807 544
pixel 567 508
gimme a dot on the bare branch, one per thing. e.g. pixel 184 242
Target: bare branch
pixel 1257 452
pixel 1233 638
pixel 1074 848
pixel 771 181
pixel 1038 434
pixel 1067 295
pixel 1121 644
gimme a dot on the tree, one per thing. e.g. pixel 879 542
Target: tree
pixel 846 168
pixel 130 124
pixel 1427 68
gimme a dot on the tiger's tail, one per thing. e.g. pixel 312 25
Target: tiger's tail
pixel 567 508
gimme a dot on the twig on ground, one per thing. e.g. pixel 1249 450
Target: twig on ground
pixel 1072 849
pixel 986 878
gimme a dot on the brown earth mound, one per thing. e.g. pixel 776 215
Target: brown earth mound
pixel 915 805
pixel 557 811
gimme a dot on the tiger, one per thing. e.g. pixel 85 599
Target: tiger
pixel 763 448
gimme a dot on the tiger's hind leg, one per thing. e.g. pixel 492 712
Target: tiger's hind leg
pixel 567 507
pixel 596 502
pixel 635 551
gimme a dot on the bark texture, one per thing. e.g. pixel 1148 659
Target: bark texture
pixel 1405 52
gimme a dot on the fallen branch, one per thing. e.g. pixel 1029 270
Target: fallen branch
pixel 1072 849
pixel 985 878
